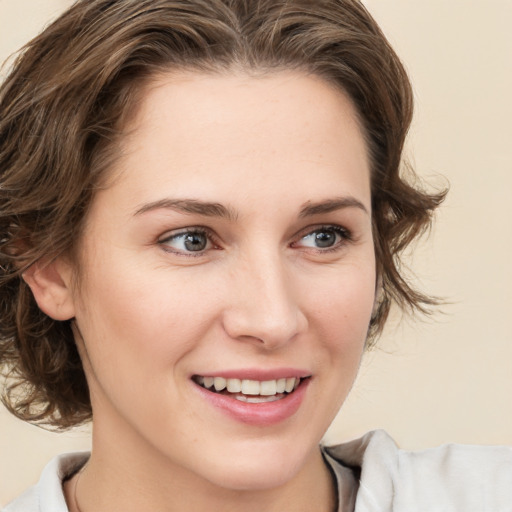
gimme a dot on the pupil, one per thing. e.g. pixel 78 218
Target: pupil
pixel 195 242
pixel 325 239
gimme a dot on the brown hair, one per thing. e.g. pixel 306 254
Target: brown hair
pixel 64 105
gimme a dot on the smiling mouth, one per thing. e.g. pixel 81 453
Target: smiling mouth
pixel 251 391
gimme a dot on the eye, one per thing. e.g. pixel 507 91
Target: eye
pixel 189 241
pixel 325 237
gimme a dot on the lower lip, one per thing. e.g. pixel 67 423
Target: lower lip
pixel 262 414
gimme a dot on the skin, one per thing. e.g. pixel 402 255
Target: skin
pixel 149 314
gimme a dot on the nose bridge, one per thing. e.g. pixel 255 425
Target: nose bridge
pixel 264 306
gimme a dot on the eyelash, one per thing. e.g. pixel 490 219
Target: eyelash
pixel 197 230
pixel 343 233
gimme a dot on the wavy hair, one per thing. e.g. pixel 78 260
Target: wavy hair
pixel 62 110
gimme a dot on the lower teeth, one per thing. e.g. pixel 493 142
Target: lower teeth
pixel 258 399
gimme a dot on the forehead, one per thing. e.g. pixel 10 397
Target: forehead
pixel 202 132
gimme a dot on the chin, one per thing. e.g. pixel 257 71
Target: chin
pixel 256 468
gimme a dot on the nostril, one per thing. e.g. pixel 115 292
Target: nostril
pixel 263 327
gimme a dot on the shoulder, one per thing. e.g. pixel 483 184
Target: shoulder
pixel 447 478
pixel 47 495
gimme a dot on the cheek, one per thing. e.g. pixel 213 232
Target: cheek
pixel 341 321
pixel 342 303
pixel 144 321
pixel 340 316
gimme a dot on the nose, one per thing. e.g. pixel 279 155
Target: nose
pixel 263 306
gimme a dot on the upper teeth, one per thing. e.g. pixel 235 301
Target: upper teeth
pixel 251 387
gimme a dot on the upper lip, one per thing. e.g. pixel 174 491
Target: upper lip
pixel 261 374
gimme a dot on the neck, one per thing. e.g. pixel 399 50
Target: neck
pixel 149 481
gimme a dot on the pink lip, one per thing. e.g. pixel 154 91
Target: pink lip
pixel 263 414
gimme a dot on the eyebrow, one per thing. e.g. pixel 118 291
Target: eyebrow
pixel 205 208
pixel 212 209
pixel 330 205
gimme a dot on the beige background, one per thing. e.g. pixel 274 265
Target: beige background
pixel 450 378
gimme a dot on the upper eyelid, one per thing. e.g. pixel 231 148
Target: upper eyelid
pixel 318 227
pixel 182 231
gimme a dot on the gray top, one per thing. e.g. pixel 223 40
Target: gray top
pixel 372 473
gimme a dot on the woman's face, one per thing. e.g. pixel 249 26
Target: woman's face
pixel 234 247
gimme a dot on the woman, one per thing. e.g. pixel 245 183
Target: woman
pixel 202 218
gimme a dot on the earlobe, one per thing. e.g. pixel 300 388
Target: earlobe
pixel 50 285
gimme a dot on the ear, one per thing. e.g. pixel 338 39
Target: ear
pixel 379 293
pixel 51 286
